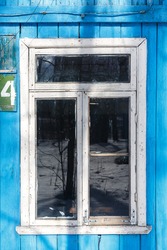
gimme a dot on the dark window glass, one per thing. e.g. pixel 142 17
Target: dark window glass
pixel 85 68
pixel 56 158
pixel 109 157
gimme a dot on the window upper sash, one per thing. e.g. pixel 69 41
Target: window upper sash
pixel 102 68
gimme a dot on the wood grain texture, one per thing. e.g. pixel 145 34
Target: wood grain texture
pixel 11 3
pixel 138 2
pixel 150 32
pixel 28 242
pixel 110 30
pixel 109 242
pixel 67 242
pixel 47 242
pixel 128 30
pixel 24 2
pixel 28 30
pixel 9 171
pixel 88 242
pixel 107 2
pixel 89 27
pixel 130 242
pixel 76 2
pixel 83 14
pixel 37 2
pixel 47 31
pixel 79 2
pixel 68 30
pixel 49 2
pixel 89 30
pixel 161 135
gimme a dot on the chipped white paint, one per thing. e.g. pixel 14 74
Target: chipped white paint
pixel 24 131
pixel 141 133
pixel 84 230
pixel 30 90
pixel 83 43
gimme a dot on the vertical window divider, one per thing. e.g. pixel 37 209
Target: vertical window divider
pixel 85 159
pixel 79 159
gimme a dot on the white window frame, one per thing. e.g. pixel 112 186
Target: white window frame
pixel 135 90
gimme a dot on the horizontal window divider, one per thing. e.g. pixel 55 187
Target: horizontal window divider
pixel 108 154
pixel 81 89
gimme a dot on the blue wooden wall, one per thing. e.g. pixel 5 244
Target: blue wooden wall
pixel 151 25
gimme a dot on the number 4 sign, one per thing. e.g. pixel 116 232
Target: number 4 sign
pixel 7 93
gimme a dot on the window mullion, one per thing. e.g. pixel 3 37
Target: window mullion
pixel 85 159
pixel 79 159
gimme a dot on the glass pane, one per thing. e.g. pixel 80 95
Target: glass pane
pixel 8 52
pixel 109 157
pixel 85 68
pixel 56 158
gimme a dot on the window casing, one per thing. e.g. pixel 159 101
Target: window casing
pixel 74 74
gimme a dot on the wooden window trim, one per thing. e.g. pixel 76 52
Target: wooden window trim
pixel 28 48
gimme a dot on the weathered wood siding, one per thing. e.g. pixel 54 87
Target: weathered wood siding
pixel 156 33
pixel 78 2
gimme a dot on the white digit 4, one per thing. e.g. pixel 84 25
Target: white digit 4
pixel 11 94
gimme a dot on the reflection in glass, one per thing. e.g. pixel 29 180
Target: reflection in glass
pixel 56 158
pixel 109 157
pixel 85 68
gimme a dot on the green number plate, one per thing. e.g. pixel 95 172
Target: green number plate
pixel 7 93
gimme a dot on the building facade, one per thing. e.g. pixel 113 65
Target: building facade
pixel 80 32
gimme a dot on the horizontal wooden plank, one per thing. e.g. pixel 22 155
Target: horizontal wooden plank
pixel 161 142
pixel 83 43
pixel 126 242
pixel 83 230
pixel 67 242
pixel 83 14
pixel 89 242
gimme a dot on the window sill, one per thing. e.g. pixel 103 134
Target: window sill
pixel 36 230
